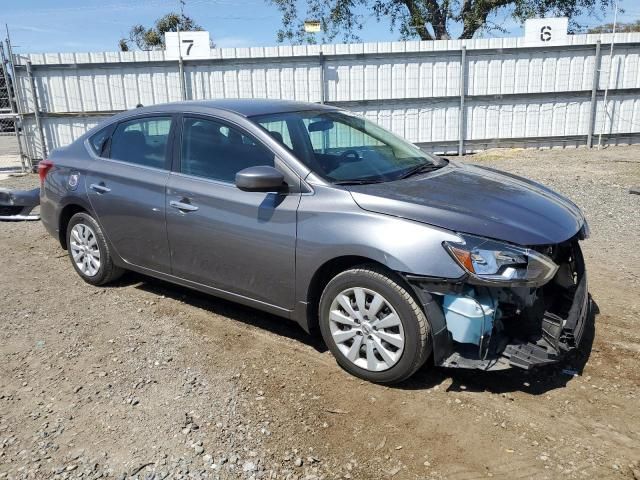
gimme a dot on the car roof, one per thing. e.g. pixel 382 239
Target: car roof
pixel 247 107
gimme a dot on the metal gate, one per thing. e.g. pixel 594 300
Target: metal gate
pixel 12 158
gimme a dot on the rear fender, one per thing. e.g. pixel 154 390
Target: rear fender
pixel 67 207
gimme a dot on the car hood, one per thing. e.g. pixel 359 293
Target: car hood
pixel 479 201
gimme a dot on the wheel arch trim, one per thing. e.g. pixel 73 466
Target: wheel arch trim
pixel 306 309
pixel 68 208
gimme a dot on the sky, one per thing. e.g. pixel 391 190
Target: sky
pixel 97 25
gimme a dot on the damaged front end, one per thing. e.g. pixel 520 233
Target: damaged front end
pixel 515 307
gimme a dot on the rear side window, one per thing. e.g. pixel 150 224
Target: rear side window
pixel 215 150
pixel 142 141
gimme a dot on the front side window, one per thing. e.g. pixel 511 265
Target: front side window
pixel 142 141
pixel 344 148
pixel 217 151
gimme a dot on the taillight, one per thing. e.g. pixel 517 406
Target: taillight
pixel 43 168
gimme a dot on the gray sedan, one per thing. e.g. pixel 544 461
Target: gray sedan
pixel 315 214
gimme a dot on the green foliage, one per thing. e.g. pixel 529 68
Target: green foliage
pixel 620 28
pixel 153 38
pixel 422 19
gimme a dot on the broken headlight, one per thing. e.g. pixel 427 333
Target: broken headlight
pixel 494 262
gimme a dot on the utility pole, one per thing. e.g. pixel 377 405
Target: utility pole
pixel 314 26
pixel 606 88
pixel 183 93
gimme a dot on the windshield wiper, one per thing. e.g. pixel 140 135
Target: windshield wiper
pixel 358 181
pixel 422 168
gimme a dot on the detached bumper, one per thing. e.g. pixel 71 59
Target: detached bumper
pixel 18 205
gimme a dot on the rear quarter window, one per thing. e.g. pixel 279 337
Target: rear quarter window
pixel 98 141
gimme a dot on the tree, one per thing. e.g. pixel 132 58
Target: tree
pixel 422 19
pixel 620 28
pixel 153 38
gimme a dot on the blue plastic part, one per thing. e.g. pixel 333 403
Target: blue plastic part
pixel 469 316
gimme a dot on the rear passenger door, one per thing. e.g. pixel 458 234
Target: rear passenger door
pixel 126 186
pixel 220 236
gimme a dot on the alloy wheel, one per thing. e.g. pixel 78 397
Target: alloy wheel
pixel 84 249
pixel 366 329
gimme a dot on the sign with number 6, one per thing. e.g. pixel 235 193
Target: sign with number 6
pixel 191 45
pixel 546 31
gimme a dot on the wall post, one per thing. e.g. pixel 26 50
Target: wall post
pixel 463 89
pixel 322 78
pixel 594 94
pixel 183 88
pixel 36 110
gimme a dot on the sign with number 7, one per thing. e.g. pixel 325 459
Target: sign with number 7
pixel 189 45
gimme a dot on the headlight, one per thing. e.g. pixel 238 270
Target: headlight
pixel 490 261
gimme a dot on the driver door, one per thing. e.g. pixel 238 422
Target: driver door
pixel 222 237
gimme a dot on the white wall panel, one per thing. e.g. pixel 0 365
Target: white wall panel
pixel 412 88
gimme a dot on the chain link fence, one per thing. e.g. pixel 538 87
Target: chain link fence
pixel 11 158
pixel 7 124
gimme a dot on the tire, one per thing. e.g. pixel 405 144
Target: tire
pixel 405 325
pixel 85 240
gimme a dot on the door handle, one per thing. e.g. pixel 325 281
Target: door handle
pixel 99 187
pixel 182 206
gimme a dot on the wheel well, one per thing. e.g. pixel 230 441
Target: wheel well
pixel 66 214
pixel 324 274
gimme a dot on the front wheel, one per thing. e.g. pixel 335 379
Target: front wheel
pixel 373 325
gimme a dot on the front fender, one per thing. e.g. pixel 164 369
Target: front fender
pixel 331 225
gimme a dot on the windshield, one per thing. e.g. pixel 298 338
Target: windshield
pixel 344 148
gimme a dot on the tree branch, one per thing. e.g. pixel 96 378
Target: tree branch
pixel 438 18
pixel 474 14
pixel 417 20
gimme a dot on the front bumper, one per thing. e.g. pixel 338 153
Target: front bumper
pixel 560 331
pixel 559 337
pixel 18 205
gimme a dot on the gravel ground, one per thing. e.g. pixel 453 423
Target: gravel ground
pixel 9 158
pixel 145 380
pixel 599 182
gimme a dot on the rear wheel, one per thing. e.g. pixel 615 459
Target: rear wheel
pixel 373 325
pixel 89 251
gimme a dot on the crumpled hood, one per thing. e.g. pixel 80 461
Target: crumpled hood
pixel 479 201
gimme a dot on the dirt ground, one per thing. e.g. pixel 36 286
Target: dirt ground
pixel 148 380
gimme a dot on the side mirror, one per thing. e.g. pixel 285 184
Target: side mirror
pixel 260 179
